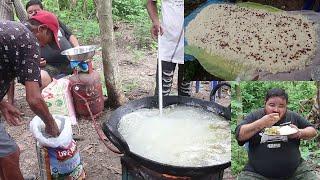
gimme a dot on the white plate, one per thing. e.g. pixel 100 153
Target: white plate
pixel 287 130
pixel 283 130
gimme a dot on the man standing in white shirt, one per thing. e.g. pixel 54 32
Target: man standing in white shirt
pixel 171 44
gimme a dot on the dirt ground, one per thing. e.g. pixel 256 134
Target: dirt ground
pixel 138 74
pixel 138 81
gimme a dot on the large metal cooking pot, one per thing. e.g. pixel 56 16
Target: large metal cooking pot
pixel 110 128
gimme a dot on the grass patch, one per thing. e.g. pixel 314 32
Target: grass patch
pixel 129 86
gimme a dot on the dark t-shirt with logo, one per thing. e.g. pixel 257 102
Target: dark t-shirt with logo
pixel 273 156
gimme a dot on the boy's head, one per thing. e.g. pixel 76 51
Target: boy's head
pixel 276 102
pixel 276 92
pixel 33 6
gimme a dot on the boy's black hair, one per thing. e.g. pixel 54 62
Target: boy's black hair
pixel 276 92
pixel 34 2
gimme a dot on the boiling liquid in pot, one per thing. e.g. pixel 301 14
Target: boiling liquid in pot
pixel 183 136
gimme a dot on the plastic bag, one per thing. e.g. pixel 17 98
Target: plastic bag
pixel 58 157
pixel 37 127
pixel 58 98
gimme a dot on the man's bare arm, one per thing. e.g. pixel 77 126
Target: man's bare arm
pixel 39 107
pixel 308 133
pixel 153 11
pixel 153 14
pixel 74 41
pixel 248 130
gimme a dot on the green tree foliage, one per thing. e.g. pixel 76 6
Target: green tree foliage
pixel 131 10
pixel 80 17
pixel 252 95
pixel 135 12
pixel 239 154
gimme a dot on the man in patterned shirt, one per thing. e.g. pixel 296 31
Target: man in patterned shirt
pixel 7 8
pixel 19 58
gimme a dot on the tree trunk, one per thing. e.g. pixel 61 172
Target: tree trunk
pixel 73 3
pixel 239 99
pixel 84 7
pixel 116 97
pixel 318 102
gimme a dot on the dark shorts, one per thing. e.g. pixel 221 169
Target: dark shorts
pixel 7 144
pixel 303 172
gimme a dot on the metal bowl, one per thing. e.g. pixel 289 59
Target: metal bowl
pixel 80 53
